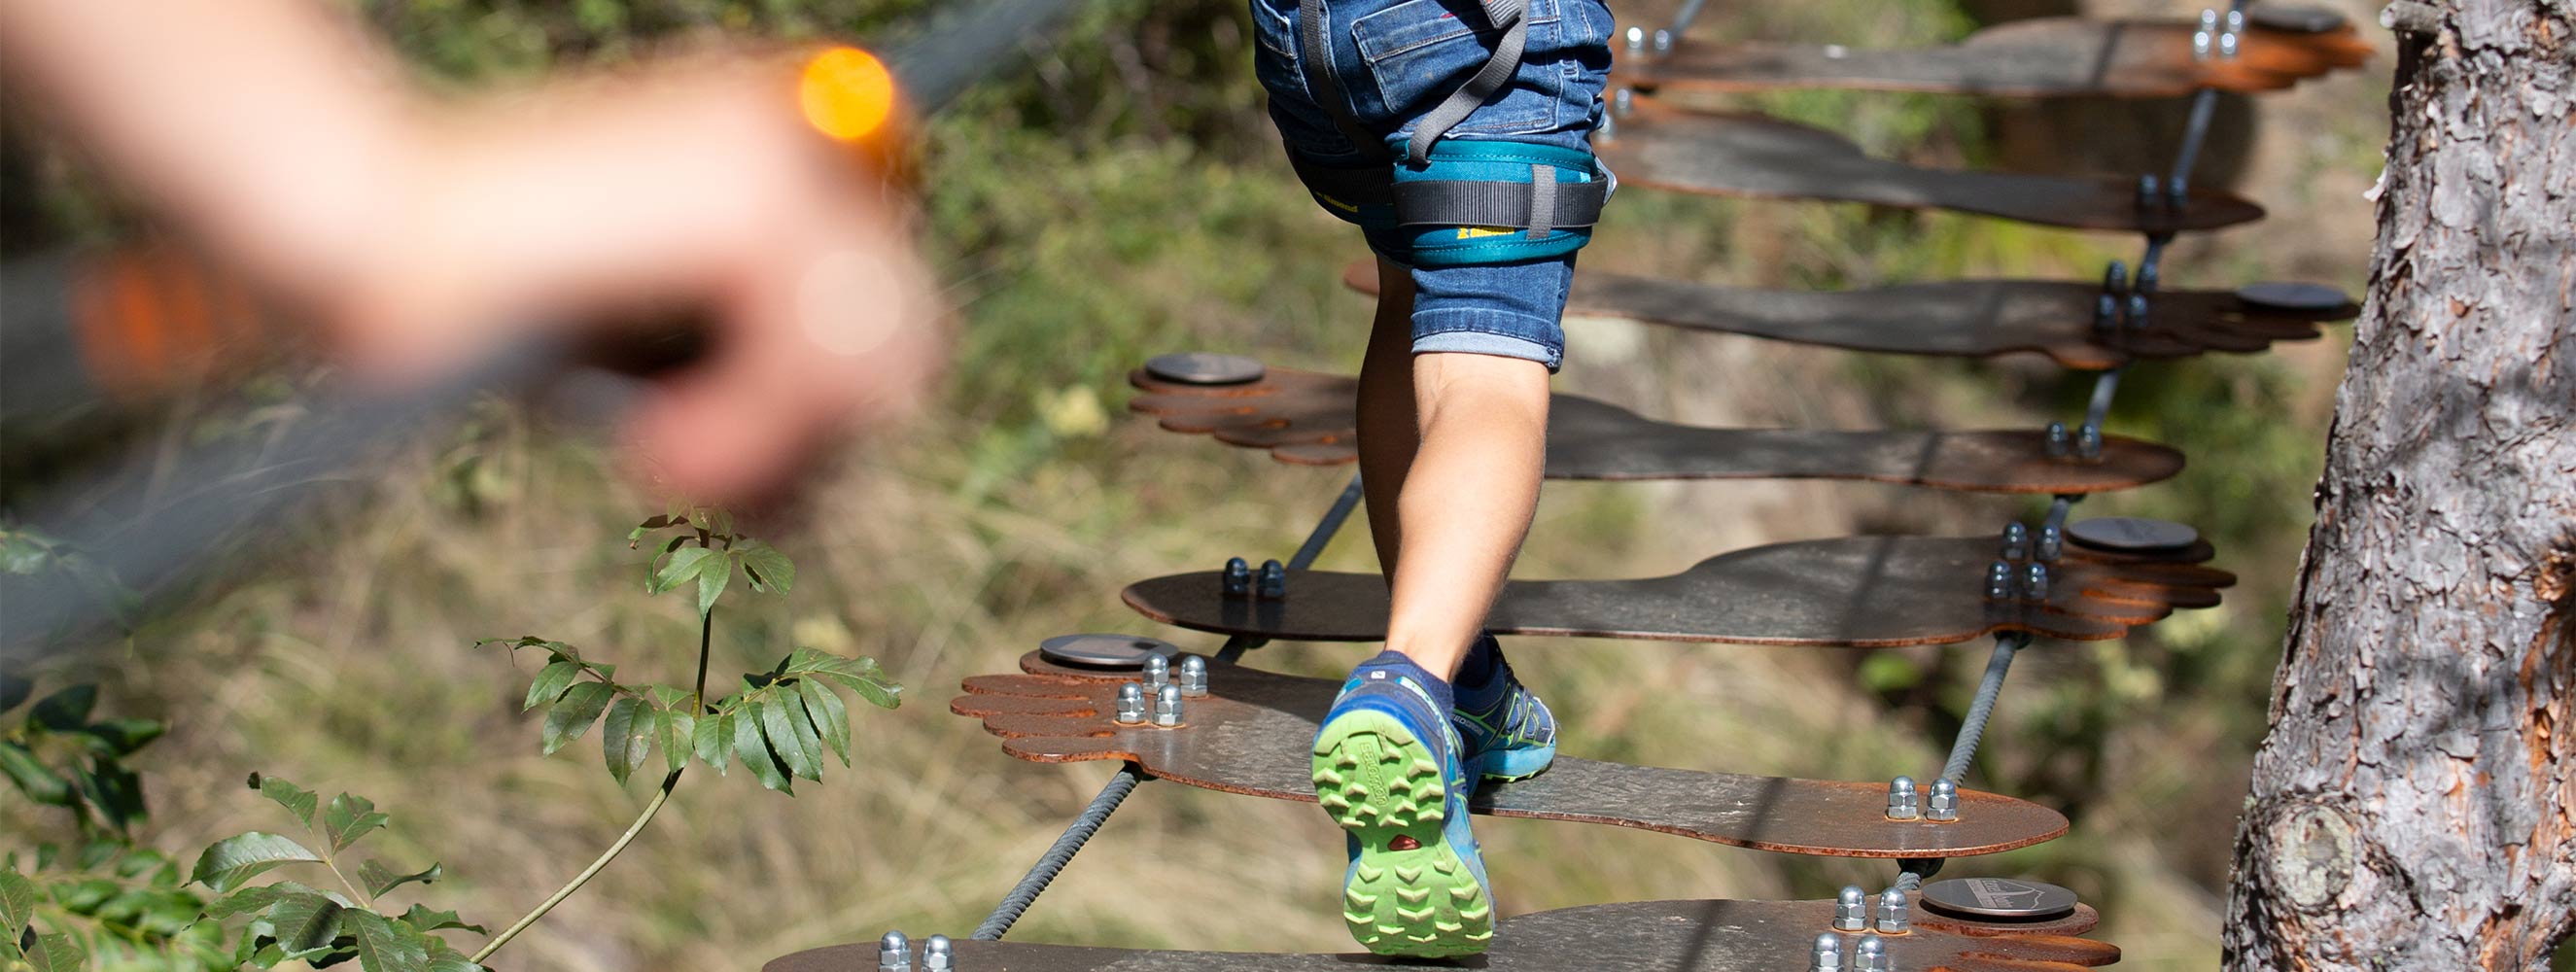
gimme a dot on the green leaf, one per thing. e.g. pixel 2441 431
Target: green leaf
pixel 297 800
pixel 636 535
pixel 41 785
pixel 115 792
pixel 791 735
pixel 681 566
pixel 234 860
pixel 715 740
pixel 57 953
pixel 65 710
pixel 626 740
pixel 307 923
pixel 679 732
pixel 423 920
pixel 753 750
pixel 349 818
pixel 250 899
pixel 124 736
pixel 384 946
pixel 379 879
pixel 550 683
pixel 830 717
pixel 453 961
pixel 866 678
pixel 572 717
pixel 713 575
pixel 770 571
pixel 18 899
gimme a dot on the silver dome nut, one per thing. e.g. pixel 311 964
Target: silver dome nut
pixel 1167 706
pixel 1943 806
pixel 1194 677
pixel 1851 909
pixel 1891 912
pixel 1828 954
pixel 894 953
pixel 1158 672
pixel 1131 704
pixel 1870 955
pixel 937 955
pixel 1901 803
pixel 1238 577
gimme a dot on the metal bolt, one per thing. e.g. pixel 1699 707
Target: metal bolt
pixel 894 953
pixel 2235 20
pixel 1851 909
pixel 2177 193
pixel 1870 955
pixel 937 955
pixel 2088 442
pixel 1131 704
pixel 2115 278
pixel 1158 672
pixel 2228 45
pixel 2148 275
pixel 1167 706
pixel 1636 39
pixel 1193 676
pixel 1999 579
pixel 1623 102
pixel 2016 541
pixel 1274 579
pixel 2059 445
pixel 1238 577
pixel 1900 800
pixel 1663 42
pixel 2137 315
pixel 2034 582
pixel 2106 312
pixel 1828 956
pixel 1943 807
pixel 2052 543
pixel 2201 39
pixel 2149 194
pixel 1891 904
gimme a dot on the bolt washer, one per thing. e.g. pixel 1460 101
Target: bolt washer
pixel 1998 898
pixel 1204 368
pixel 2129 534
pixel 1105 650
pixel 2292 296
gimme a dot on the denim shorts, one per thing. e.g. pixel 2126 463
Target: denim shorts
pixel 1396 60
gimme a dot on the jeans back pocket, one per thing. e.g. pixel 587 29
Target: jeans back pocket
pixel 1419 51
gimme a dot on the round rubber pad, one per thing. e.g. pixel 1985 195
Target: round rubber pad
pixel 1998 898
pixel 2292 296
pixel 2128 534
pixel 1105 650
pixel 1204 368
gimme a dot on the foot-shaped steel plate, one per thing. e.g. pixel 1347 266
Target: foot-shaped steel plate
pixel 1664 936
pixel 1251 734
pixel 1869 591
pixel 2043 57
pixel 1666 147
pixel 1966 318
pixel 1309 418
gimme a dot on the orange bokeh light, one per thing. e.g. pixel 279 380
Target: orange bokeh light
pixel 847 94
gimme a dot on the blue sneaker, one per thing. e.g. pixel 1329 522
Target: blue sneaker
pixel 1386 769
pixel 1508 732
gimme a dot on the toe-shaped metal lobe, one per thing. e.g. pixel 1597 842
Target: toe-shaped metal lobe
pixel 2048 948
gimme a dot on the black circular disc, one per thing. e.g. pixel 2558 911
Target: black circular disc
pixel 2295 17
pixel 2010 899
pixel 2292 296
pixel 1105 650
pixel 2129 534
pixel 1204 368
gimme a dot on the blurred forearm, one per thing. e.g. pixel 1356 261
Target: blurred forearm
pixel 270 128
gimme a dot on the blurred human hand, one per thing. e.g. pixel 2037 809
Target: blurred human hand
pixel 687 189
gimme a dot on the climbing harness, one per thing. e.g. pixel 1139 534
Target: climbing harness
pixel 1459 202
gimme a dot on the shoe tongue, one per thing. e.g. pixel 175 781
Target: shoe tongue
pixel 1393 665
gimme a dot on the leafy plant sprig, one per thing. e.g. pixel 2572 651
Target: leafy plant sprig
pixel 288 921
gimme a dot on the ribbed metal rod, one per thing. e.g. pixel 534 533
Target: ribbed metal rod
pixel 1054 860
pixel 1972 729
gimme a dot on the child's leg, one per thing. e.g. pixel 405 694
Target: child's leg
pixel 1389 433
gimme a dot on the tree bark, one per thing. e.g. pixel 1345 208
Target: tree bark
pixel 2414 805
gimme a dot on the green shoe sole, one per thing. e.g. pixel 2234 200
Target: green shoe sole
pixel 1376 780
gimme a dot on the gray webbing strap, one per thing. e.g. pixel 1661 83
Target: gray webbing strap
pixel 1506 14
pixel 1314 25
pixel 1544 205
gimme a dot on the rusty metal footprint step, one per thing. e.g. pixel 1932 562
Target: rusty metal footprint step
pixel 1252 730
pixel 1666 936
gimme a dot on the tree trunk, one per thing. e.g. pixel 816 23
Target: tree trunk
pixel 2414 805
